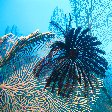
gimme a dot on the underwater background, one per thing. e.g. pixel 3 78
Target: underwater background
pixel 26 37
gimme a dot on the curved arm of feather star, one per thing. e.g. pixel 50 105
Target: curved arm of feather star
pixel 21 43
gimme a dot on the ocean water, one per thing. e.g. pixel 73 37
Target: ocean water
pixel 25 39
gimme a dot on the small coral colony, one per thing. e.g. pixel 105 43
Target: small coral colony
pixel 76 61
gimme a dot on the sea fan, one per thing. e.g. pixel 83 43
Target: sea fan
pixel 17 51
pixel 77 60
pixel 24 45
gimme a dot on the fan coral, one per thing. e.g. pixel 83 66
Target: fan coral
pixel 11 46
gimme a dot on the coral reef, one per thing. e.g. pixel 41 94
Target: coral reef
pixel 20 90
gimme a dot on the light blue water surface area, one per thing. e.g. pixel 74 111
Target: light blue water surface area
pixel 28 15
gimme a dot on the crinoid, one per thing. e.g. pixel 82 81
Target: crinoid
pixel 72 62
